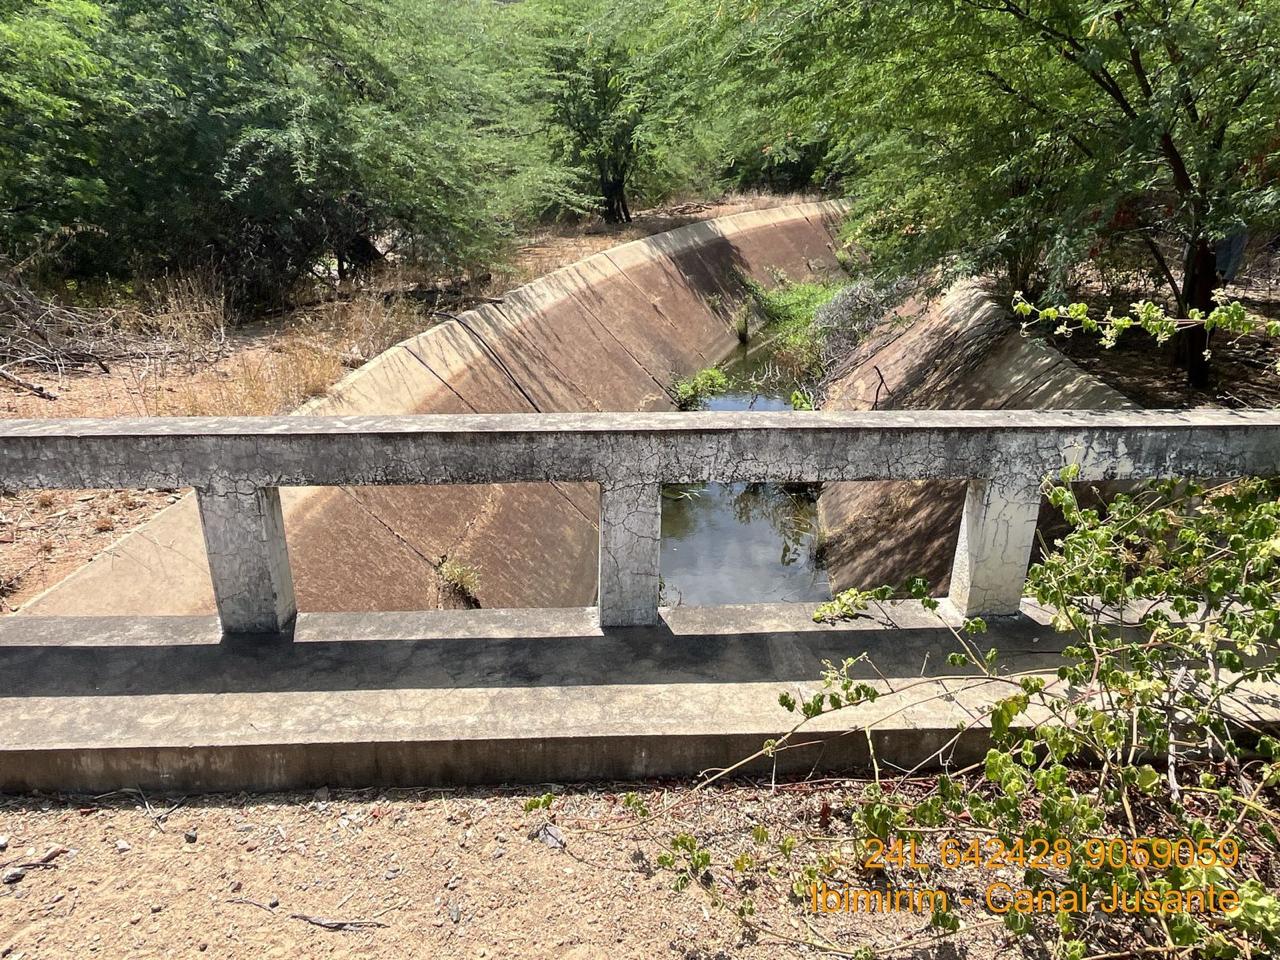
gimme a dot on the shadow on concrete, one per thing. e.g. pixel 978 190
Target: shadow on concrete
pixel 73 656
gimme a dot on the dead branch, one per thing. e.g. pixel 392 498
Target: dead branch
pixel 35 388
pixel 43 335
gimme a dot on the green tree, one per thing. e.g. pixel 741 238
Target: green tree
pixel 595 96
pixel 51 80
pixel 259 138
pixel 1027 137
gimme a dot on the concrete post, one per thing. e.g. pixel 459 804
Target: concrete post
pixel 248 559
pixel 997 533
pixel 630 553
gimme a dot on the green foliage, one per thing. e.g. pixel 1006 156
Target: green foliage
pixel 1015 138
pixel 1134 768
pixel 790 312
pixel 258 138
pixel 542 802
pixel 691 392
pixel 1199 570
pixel 802 400
pixel 687 858
pixel 849 604
pixel 619 103
pixel 595 93
pixel 1228 316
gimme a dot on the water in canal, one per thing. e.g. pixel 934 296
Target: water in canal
pixel 742 542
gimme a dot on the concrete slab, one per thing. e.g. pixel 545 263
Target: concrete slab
pixel 485 696
pixel 963 351
pixel 610 297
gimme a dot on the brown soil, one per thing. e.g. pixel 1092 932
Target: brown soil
pixel 1244 371
pixel 264 368
pixel 445 874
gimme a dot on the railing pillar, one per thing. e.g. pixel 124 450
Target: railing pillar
pixel 630 553
pixel 997 533
pixel 248 559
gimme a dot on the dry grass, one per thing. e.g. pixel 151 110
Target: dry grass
pixel 279 371
pixel 186 317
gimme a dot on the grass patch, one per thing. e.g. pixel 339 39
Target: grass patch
pixel 462 580
pixel 691 392
pixel 790 310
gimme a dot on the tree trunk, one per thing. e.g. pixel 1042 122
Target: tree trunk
pixel 614 190
pixel 1199 283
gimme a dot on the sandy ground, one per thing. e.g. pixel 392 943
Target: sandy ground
pixel 436 874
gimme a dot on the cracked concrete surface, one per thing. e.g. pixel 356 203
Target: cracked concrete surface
pixel 1003 454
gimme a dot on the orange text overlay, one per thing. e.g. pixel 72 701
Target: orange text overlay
pixel 1002 898
pixel 993 853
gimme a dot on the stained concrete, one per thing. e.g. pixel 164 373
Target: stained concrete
pixel 962 350
pixel 484 696
pixel 608 333
pixel 236 465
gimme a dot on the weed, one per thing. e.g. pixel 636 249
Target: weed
pixel 463 578
pixel 790 310
pixel 691 392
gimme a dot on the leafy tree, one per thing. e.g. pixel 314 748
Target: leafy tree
pixel 1025 137
pixel 623 102
pixel 595 98
pixel 51 80
pixel 258 138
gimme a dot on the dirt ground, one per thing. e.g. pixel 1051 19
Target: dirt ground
pixel 434 874
pixel 267 367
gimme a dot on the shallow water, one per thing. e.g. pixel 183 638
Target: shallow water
pixel 739 542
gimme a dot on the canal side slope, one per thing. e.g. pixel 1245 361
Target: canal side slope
pixel 961 351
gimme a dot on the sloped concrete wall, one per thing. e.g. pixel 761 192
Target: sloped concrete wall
pixel 608 333
pixel 962 351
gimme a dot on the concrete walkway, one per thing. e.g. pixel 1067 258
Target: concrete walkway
pixel 477 696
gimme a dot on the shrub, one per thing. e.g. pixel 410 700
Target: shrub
pixel 691 392
pixel 1136 768
pixel 790 312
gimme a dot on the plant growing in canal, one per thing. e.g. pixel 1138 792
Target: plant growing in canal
pixel 462 578
pixel 790 311
pixel 690 393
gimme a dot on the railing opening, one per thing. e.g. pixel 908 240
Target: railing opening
pixel 239 465
pixel 725 543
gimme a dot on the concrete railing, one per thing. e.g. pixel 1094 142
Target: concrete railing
pixel 237 466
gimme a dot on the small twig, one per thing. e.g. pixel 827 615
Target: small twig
pixel 330 924
pixel 875 404
pixel 252 903
pixel 158 818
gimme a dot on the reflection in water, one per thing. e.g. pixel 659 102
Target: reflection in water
pixel 742 542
